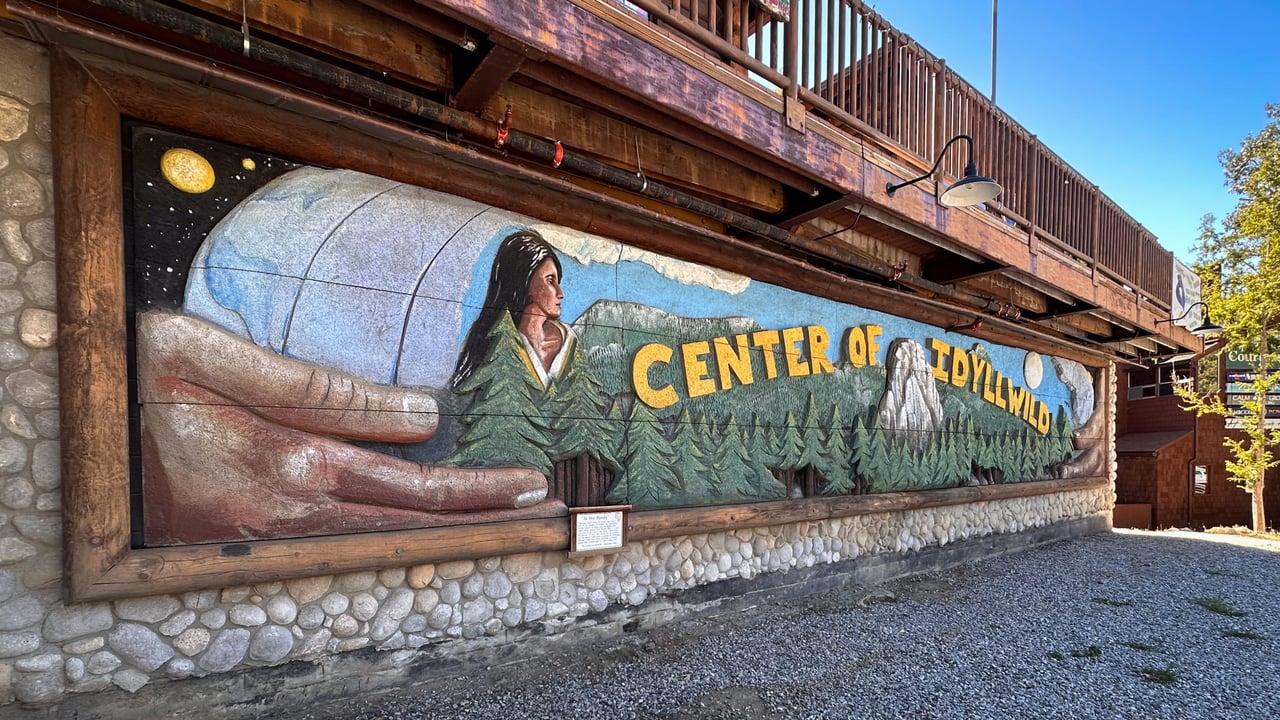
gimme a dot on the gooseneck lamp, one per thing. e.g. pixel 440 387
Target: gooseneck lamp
pixel 972 189
pixel 1206 327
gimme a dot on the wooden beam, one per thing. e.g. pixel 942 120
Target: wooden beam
pixel 950 270
pixel 656 119
pixel 859 243
pixel 820 209
pixel 1041 286
pixel 428 20
pixel 1005 288
pixel 495 68
pixel 618 143
pixel 92 370
pixel 650 525
pixel 919 232
pixel 355 32
pixel 1089 323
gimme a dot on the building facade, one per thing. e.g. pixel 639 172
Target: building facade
pixel 303 379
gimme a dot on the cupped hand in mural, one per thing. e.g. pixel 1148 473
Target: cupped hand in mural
pixel 244 443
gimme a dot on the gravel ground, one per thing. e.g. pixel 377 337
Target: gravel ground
pixel 1104 627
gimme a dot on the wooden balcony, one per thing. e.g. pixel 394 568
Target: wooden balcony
pixel 709 129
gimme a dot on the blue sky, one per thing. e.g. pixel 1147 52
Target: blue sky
pixel 1139 96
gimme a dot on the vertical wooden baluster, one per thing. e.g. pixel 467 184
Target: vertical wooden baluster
pixel 845 64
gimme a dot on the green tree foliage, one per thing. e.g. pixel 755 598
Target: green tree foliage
pixel 762 444
pixel 504 425
pixel 1239 263
pixel 741 476
pixel 811 436
pixel 791 450
pixel 835 463
pixel 860 461
pixel 577 409
pixel 689 462
pixel 615 423
pixel 646 479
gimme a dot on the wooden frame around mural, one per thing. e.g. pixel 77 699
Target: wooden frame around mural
pixel 91 96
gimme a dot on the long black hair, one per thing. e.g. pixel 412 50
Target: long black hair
pixel 518 257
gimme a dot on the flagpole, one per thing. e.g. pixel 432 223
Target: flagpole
pixel 995 4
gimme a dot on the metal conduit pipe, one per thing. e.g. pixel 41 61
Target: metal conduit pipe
pixel 231 40
pixel 412 138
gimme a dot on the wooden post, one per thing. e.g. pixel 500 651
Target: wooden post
pixel 791 53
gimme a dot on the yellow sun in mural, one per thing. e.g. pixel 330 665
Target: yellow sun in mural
pixel 248 164
pixel 187 170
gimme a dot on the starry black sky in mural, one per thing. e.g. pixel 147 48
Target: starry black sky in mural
pixel 181 187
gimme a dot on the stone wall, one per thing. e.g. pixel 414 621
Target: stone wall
pixel 30 501
pixel 48 650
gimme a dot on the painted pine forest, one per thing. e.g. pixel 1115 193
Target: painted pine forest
pixel 730 447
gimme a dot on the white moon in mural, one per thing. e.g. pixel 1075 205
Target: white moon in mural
pixel 1033 370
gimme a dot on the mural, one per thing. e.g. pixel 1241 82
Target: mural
pixel 329 352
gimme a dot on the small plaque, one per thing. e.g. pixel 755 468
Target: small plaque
pixel 597 530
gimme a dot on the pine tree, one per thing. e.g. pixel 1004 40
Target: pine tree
pixel 860 458
pixel 879 469
pixel 837 464
pixel 737 474
pixel 578 412
pixel 969 450
pixel 504 425
pixel 646 479
pixel 616 440
pixel 1064 436
pixel 689 462
pixel 791 450
pixel 762 444
pixel 931 467
pixel 811 437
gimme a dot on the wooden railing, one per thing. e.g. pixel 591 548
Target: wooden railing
pixel 845 63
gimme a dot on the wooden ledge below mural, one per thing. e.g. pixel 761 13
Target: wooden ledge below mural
pixel 291 350
pixel 145 572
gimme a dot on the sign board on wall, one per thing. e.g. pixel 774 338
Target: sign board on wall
pixel 1240 374
pixel 1186 293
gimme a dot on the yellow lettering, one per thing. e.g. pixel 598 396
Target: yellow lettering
pixel 791 339
pixel 819 363
pixel 988 389
pixel 1000 400
pixel 695 368
pixel 940 350
pixel 730 360
pixel 767 340
pixel 1043 424
pixel 646 357
pixel 873 347
pixel 981 369
pixel 1017 397
pixel 959 366
pixel 855 343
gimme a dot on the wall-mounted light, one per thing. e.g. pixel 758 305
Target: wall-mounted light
pixel 972 189
pixel 1207 327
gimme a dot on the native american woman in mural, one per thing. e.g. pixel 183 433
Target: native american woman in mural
pixel 525 284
